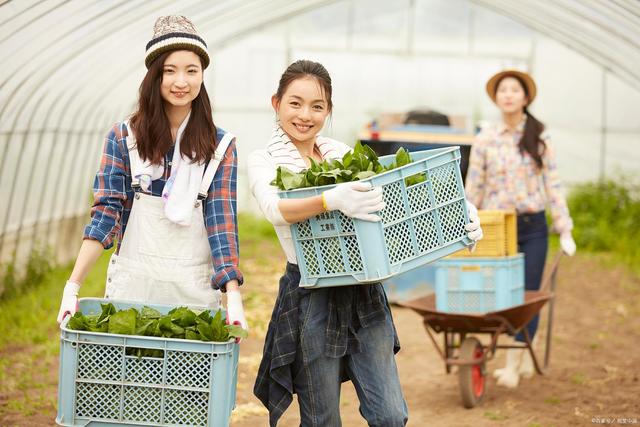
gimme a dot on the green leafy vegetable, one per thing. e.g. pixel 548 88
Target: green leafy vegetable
pixel 123 322
pixel 150 313
pixel 356 165
pixel 181 322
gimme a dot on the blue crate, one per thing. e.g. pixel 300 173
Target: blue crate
pixel 479 285
pixel 413 284
pixel 420 224
pixel 193 384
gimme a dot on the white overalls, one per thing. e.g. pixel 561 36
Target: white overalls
pixel 160 261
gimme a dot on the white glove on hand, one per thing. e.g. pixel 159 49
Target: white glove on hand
pixel 355 199
pixel 235 311
pixel 69 303
pixel 567 244
pixel 473 228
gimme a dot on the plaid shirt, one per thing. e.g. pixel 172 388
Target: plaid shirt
pixel 113 198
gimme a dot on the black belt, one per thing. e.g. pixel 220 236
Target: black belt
pixel 529 216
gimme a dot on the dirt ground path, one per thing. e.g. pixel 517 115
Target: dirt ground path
pixel 594 375
pixel 594 370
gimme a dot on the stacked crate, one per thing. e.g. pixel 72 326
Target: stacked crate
pixel 489 279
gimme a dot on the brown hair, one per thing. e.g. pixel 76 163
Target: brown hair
pixel 151 125
pixel 304 68
pixel 531 142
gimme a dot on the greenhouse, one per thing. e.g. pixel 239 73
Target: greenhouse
pixel 74 74
pixel 73 68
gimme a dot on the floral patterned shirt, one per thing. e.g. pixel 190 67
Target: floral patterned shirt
pixel 500 177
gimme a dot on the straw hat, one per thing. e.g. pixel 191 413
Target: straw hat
pixel 175 32
pixel 492 84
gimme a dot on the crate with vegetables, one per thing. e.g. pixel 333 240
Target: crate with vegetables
pixel 423 219
pixel 124 363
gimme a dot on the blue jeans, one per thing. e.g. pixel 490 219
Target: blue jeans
pixel 533 240
pixel 318 378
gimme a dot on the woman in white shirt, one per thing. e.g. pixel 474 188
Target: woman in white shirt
pixel 321 337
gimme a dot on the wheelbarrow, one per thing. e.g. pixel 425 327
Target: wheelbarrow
pixel 467 352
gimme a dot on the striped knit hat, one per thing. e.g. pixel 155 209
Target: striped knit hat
pixel 175 32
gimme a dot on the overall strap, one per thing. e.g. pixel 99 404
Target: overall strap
pixel 134 157
pixel 207 179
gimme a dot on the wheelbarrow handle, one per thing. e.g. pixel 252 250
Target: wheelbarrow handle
pixel 549 282
pixel 549 285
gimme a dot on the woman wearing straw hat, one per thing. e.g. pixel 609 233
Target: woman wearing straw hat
pixel 166 190
pixel 512 166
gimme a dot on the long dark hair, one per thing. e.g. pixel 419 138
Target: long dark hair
pixel 531 142
pixel 304 68
pixel 151 125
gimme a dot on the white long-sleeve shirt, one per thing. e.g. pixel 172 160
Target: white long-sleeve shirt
pixel 262 165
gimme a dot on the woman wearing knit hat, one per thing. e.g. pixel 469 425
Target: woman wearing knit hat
pixel 512 166
pixel 166 190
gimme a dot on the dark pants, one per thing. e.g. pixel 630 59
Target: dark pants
pixel 533 241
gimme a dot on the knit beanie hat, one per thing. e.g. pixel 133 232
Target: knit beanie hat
pixel 175 32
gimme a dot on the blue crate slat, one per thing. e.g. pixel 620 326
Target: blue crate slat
pixel 479 285
pixel 193 383
pixel 420 224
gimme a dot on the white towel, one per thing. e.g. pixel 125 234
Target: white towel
pixel 286 154
pixel 147 172
pixel 181 189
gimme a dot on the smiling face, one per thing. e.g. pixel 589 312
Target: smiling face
pixel 302 109
pixel 181 78
pixel 510 96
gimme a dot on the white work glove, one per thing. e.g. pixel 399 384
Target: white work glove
pixel 69 303
pixel 473 228
pixel 235 311
pixel 355 199
pixel 567 244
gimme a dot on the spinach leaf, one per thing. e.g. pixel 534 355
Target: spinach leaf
pixel 182 316
pixel 123 322
pixel 358 164
pixel 150 313
pixel 290 180
pixel 217 327
pixel 78 322
pixel 170 329
pixel 205 330
pixel 180 322
pixel 236 331
pixel 107 310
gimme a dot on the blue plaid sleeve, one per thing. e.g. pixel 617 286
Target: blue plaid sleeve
pixel 109 191
pixel 221 220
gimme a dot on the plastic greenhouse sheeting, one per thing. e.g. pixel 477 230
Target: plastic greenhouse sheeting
pixel 74 66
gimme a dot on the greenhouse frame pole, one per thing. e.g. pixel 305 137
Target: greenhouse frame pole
pixel 603 126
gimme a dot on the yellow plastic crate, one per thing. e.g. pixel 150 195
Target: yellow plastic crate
pixel 500 235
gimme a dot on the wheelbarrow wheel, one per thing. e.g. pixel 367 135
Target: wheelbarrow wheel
pixel 472 377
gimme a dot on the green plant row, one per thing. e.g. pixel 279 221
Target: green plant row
pixel 38 266
pixel 606 217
